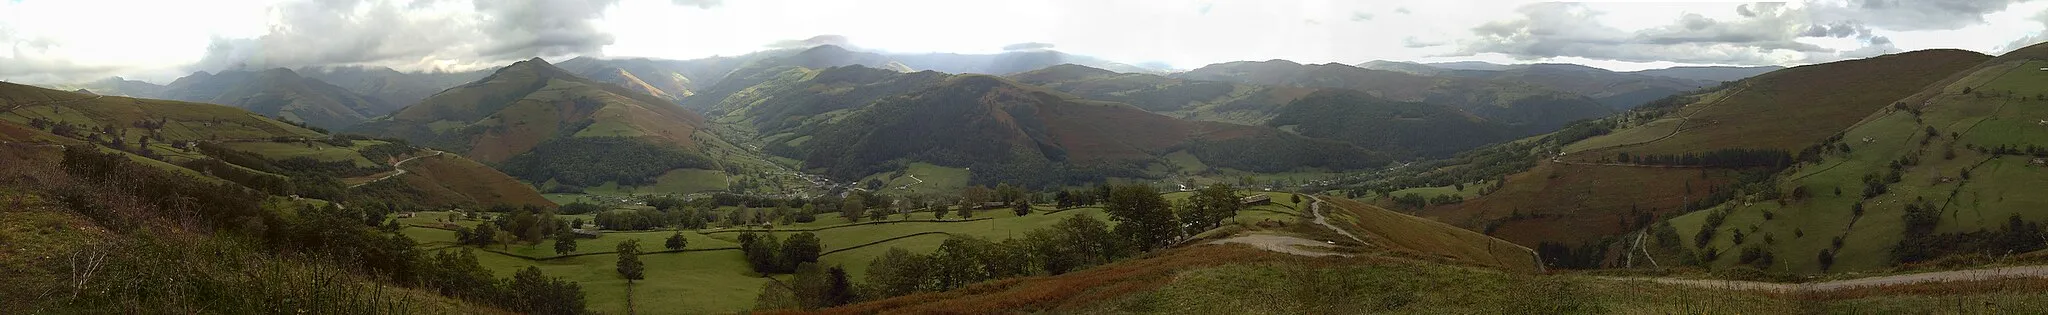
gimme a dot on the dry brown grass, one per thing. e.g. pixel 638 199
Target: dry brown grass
pixel 1068 291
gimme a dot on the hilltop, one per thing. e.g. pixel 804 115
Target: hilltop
pixel 1397 128
pixel 542 124
pixel 1528 108
pixel 390 86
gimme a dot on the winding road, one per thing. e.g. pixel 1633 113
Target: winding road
pixel 398 166
pixel 1317 208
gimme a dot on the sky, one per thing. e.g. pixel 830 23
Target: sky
pixel 57 41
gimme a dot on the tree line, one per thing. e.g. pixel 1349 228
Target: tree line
pixel 1776 159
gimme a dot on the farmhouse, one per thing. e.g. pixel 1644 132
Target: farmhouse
pixel 2039 162
pixel 1258 199
pixel 586 233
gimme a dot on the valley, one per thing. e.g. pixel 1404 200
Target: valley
pixel 538 165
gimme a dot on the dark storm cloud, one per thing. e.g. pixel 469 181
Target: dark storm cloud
pixel 1027 46
pixel 526 28
pixel 814 41
pixel 1763 34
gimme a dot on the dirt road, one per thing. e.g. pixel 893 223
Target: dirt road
pixel 1282 244
pixel 1878 281
pixel 398 166
pixel 1317 208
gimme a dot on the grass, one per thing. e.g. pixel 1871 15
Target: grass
pixel 936 179
pixel 1471 190
pixel 1391 229
pixel 677 182
pixel 316 151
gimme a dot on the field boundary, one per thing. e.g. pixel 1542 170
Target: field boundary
pixel 842 226
pixel 886 240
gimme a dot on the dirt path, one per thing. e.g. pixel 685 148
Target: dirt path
pixel 1282 244
pixel 1878 281
pixel 1317 208
pixel 398 166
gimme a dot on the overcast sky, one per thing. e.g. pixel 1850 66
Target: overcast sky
pixel 155 40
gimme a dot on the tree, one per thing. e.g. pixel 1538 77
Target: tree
pixel 565 243
pixel 974 196
pixel 801 248
pixel 1144 218
pixel 1006 193
pixel 486 234
pixel 1023 207
pixel 676 241
pixel 629 260
pixel 536 293
pixel 840 288
pixel 1208 207
pixel 938 212
pixel 1295 198
pixel 966 212
pixel 851 209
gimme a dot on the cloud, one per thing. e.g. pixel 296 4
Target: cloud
pixel 310 33
pixel 413 35
pixel 2030 40
pixel 1758 34
pixel 526 28
pixel 1027 46
pixel 702 4
pixel 814 41
pixel 1909 15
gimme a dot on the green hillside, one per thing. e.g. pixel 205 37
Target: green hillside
pixel 1529 108
pixel 1009 132
pixel 1724 147
pixel 541 123
pixel 279 93
pixel 236 146
pixel 390 86
pixel 1946 174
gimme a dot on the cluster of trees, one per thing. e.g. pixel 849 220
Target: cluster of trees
pixel 1145 221
pixel 2017 236
pixel 1416 201
pixel 1080 197
pixel 1584 256
pixel 1494 162
pixel 767 254
pixel 592 161
pixel 528 224
pixel 121 194
pixel 1775 159
pixel 1073 244
pixel 1583 129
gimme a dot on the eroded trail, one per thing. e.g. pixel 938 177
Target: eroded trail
pixel 1317 208
pixel 398 166
pixel 1878 281
pixel 1282 244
